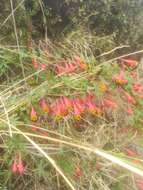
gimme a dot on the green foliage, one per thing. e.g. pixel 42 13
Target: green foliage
pixel 118 186
pixel 42 168
pixel 122 19
pixel 66 164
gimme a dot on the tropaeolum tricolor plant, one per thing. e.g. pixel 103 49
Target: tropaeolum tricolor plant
pixel 120 92
pixel 79 106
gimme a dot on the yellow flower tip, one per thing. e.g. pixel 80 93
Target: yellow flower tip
pixel 77 117
pixel 33 115
pixel 96 112
pixel 44 106
pixel 46 110
pixel 59 117
pixel 34 118
pixel 103 87
pixel 84 66
pixel 120 82
pixel 99 113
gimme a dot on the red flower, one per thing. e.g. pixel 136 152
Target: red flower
pixel 138 88
pixel 139 184
pixel 78 108
pixel 130 152
pixel 120 79
pixel 43 67
pixel 65 68
pixel 109 103
pixel 44 106
pixel 81 63
pixel 130 111
pixel 21 167
pixel 59 70
pixel 129 62
pixel 133 74
pixel 91 106
pixel 69 67
pixel 67 102
pixel 35 63
pixel 129 98
pixel 33 114
pixel 18 165
pixel 14 166
pixel 80 102
pixel 59 109
pixel 78 172
pixel 90 96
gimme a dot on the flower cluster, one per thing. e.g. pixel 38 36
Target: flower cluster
pixel 129 63
pixel 64 106
pixel 80 106
pixel 37 65
pixel 18 165
pixel 68 66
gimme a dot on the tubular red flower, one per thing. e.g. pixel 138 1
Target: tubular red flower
pixel 67 102
pixel 81 103
pixel 130 152
pixel 33 114
pixel 78 108
pixel 129 98
pixel 109 103
pixel 59 70
pixel 138 87
pixel 78 172
pixel 81 63
pixel 133 74
pixel 63 109
pixel 14 167
pixel 120 79
pixel 130 111
pixel 35 63
pixel 69 68
pixel 18 165
pixel 44 106
pixel 139 184
pixel 92 108
pixel 90 96
pixel 65 68
pixel 43 67
pixel 59 109
pixel 129 62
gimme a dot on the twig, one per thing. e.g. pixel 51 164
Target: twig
pixel 89 148
pixel 5 21
pixel 111 51
pixel 16 36
pixel 7 117
pixel 122 56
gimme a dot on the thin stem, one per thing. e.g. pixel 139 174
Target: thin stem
pixel 16 36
